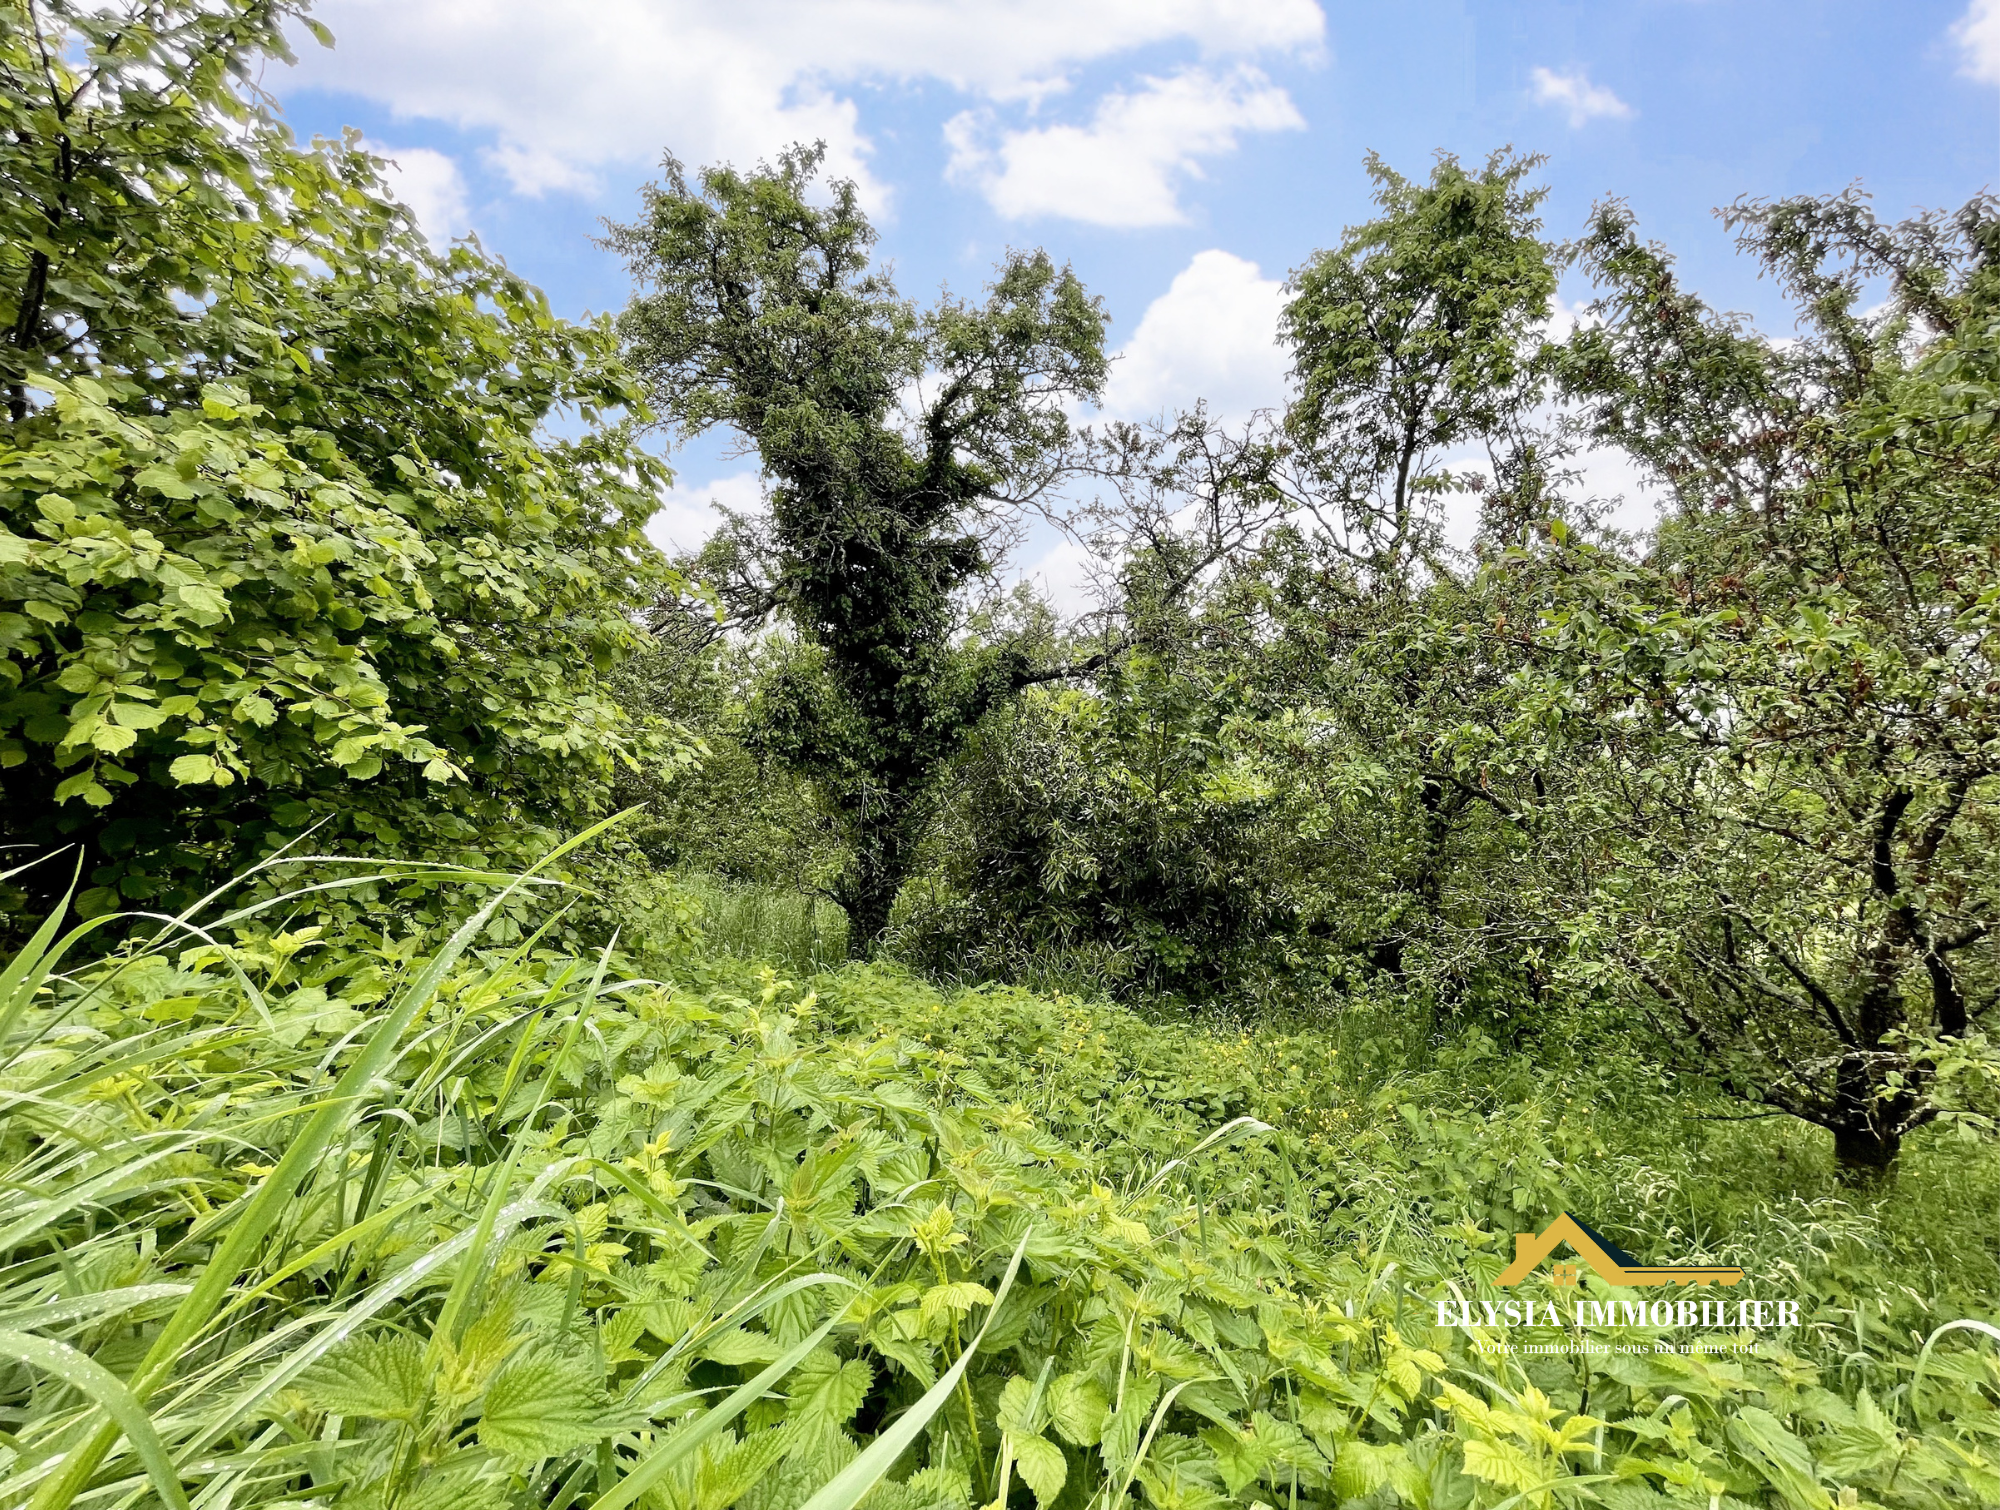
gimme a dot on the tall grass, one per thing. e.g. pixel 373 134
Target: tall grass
pixel 296 1220
pixel 256 1217
pixel 799 934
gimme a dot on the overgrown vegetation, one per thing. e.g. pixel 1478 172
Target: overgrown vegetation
pixel 993 1059
pixel 387 1227
pixel 283 545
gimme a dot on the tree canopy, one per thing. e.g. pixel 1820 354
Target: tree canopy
pixel 893 438
pixel 284 543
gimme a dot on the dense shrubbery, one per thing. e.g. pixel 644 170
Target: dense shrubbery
pixel 283 545
pixel 386 1228
pixel 1126 837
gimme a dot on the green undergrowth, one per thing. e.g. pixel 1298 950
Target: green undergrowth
pixel 309 1224
pixel 1479 1137
pixel 799 933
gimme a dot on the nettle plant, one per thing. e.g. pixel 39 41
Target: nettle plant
pixel 305 1223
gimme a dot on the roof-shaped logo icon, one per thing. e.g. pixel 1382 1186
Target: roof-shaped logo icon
pixel 1612 1264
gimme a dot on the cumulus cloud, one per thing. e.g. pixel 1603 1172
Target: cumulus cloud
pixel 1125 167
pixel 1573 92
pixel 1977 34
pixel 687 515
pixel 1212 335
pixel 571 88
pixel 430 184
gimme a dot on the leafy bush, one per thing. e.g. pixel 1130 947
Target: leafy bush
pixel 373 1227
pixel 1123 838
pixel 282 541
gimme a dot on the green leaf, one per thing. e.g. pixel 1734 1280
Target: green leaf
pixel 955 1299
pixel 1019 1412
pixel 97 901
pixel 542 1404
pixel 382 1378
pixel 824 1388
pixel 1500 1463
pixel 851 1485
pixel 83 784
pixel 690 1436
pixel 738 1346
pixel 111 739
pixel 208 605
pixel 1778 1455
pixel 1078 1407
pixel 722 1478
pixel 1043 1467
pixel 192 769
pixel 136 715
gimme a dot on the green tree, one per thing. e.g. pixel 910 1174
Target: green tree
pixel 899 444
pixel 1414 337
pixel 1128 836
pixel 1434 845
pixel 1797 692
pixel 282 541
pixel 1306 761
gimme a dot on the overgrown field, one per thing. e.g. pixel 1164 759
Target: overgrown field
pixel 1078 1052
pixel 299 1221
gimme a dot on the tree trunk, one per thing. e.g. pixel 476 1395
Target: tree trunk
pixel 1867 1123
pixel 874 876
pixel 867 917
pixel 1865 1153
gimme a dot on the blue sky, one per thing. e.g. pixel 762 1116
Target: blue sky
pixel 1183 154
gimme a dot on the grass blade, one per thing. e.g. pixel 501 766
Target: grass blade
pixel 97 1382
pixel 655 1466
pixel 272 1198
pixel 851 1485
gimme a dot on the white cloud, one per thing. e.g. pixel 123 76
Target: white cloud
pixel 1564 317
pixel 1212 335
pixel 687 515
pixel 1624 494
pixel 1574 93
pixel 1630 496
pixel 1977 34
pixel 535 171
pixel 431 185
pixel 1125 167
pixel 571 88
pixel 1069 576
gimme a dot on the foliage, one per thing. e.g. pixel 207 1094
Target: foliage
pixel 1411 338
pixel 1379 844
pixel 282 544
pixel 1739 776
pixel 740 813
pixel 1795 694
pixel 372 1227
pixel 1430 844
pixel 800 934
pixel 890 438
pixel 1304 774
pixel 1127 833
